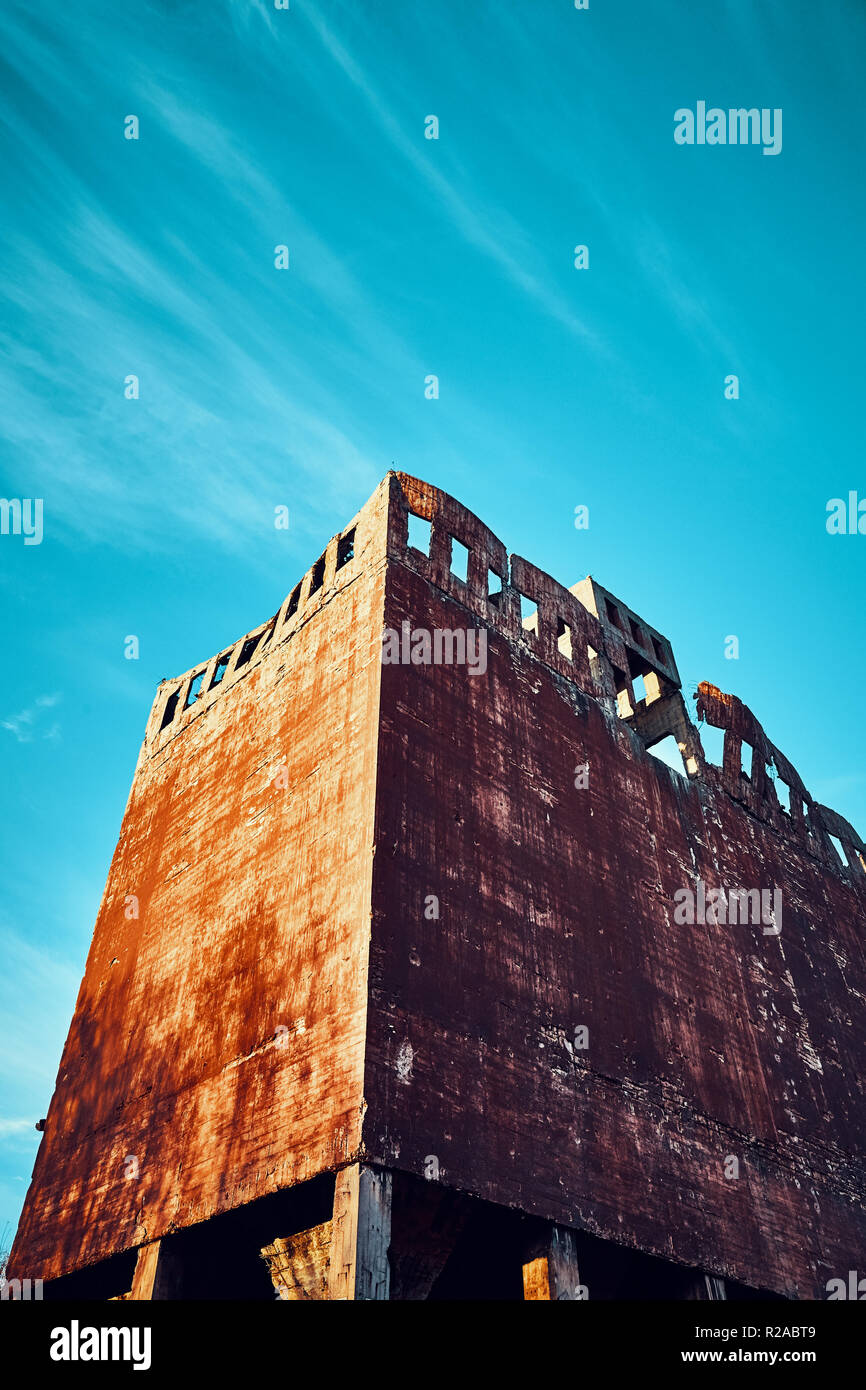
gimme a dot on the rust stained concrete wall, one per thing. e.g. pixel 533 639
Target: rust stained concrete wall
pixel 254 918
pixel 556 910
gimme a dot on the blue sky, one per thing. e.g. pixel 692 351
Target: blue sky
pixel 409 257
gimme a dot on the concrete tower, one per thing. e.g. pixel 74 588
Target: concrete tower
pixel 418 976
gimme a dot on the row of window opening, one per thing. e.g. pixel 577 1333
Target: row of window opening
pixel 345 553
pixel 419 538
pixel 713 742
pixel 646 641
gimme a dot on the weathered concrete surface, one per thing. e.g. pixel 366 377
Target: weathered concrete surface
pixel 218 1037
pixel 246 1031
pixel 556 910
pixel 299 1264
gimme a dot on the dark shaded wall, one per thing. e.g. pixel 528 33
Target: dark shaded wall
pixel 556 910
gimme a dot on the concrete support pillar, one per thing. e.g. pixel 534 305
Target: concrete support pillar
pixel 156 1273
pixel 550 1270
pixel 361 1234
pixel 707 1288
pixel 144 1277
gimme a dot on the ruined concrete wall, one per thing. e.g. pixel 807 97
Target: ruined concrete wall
pixel 229 1041
pixel 218 1036
pixel 555 911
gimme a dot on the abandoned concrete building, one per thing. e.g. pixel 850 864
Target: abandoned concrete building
pixel 386 996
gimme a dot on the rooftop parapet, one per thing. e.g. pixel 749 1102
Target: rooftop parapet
pixel 585 634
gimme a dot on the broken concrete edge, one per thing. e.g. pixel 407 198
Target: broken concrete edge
pixel 612 641
pixel 354 1254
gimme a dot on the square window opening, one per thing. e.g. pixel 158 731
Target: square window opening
pixel 318 575
pixel 637 633
pixel 613 615
pixel 623 698
pixel 713 741
pixel 220 669
pixel 346 548
pixel 169 711
pixel 747 760
pixel 563 639
pixel 783 792
pixel 528 614
pixel 494 588
pixel 661 654
pixel 194 689
pixel 419 533
pixel 639 688
pixel 459 560
pixel 839 848
pixel 246 651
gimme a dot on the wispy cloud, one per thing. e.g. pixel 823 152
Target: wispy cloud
pixel 231 408
pixel 13 1129
pixel 30 723
pixel 508 246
